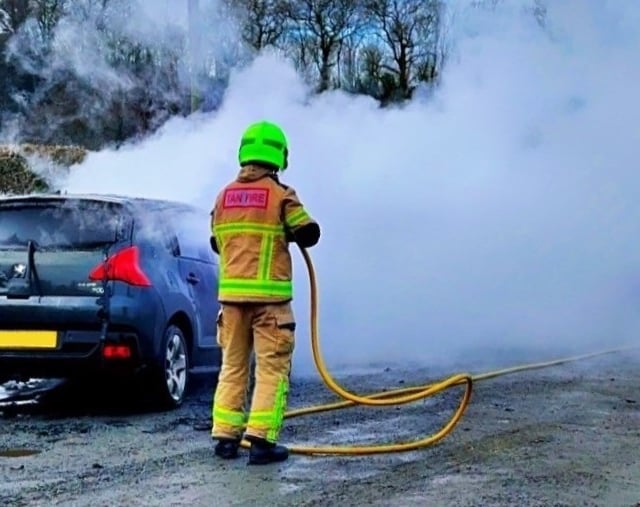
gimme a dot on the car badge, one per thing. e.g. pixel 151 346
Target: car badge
pixel 19 270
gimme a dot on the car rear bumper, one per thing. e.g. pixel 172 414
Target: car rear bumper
pixel 77 321
pixel 77 353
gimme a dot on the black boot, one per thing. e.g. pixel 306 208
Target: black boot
pixel 227 448
pixel 264 453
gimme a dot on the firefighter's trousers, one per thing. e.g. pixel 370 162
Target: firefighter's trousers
pixel 268 330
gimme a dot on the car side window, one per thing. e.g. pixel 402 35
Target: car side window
pixel 192 232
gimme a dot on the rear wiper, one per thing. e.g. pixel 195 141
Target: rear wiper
pixel 33 272
pixel 19 286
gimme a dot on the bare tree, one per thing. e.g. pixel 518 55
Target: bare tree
pixel 409 29
pixel 320 27
pixel 349 56
pixel 263 21
pixel 370 60
pixel 47 14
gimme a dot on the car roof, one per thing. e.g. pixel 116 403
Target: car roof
pixel 138 202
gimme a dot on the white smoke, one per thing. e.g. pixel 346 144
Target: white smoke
pixel 500 216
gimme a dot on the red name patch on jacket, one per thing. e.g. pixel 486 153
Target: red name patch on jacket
pixel 246 198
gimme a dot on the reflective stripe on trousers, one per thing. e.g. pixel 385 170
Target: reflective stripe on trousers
pixel 270 421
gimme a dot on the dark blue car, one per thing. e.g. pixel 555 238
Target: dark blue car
pixel 94 285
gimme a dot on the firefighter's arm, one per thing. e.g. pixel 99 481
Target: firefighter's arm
pixel 299 225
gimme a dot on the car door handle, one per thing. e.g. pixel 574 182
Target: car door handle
pixel 192 278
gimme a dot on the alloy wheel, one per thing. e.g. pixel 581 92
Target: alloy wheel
pixel 176 367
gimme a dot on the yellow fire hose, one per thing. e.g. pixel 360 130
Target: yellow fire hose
pixel 398 396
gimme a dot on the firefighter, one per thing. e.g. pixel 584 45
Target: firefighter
pixel 252 223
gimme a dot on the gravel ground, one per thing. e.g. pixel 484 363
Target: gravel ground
pixel 566 435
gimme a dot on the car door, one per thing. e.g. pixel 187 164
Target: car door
pixel 198 267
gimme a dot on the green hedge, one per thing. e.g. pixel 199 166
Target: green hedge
pixel 27 168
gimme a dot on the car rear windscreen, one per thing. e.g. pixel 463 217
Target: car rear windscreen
pixel 61 224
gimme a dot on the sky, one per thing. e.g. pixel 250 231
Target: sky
pixel 495 220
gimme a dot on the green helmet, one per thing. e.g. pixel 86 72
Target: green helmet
pixel 264 142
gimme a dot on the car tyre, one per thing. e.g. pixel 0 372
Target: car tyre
pixel 172 377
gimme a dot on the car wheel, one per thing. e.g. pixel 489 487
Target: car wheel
pixel 173 377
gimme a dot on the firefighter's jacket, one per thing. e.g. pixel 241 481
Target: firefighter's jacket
pixel 253 220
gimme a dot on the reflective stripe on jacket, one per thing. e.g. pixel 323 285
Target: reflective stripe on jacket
pixel 249 222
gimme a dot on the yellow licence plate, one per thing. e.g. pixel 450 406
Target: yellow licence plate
pixel 28 339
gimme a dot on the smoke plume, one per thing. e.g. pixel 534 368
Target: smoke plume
pixel 495 218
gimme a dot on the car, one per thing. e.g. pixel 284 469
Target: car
pixel 105 285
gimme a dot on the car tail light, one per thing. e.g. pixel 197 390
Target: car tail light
pixel 123 266
pixel 116 352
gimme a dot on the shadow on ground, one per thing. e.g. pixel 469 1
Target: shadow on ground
pixel 96 397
